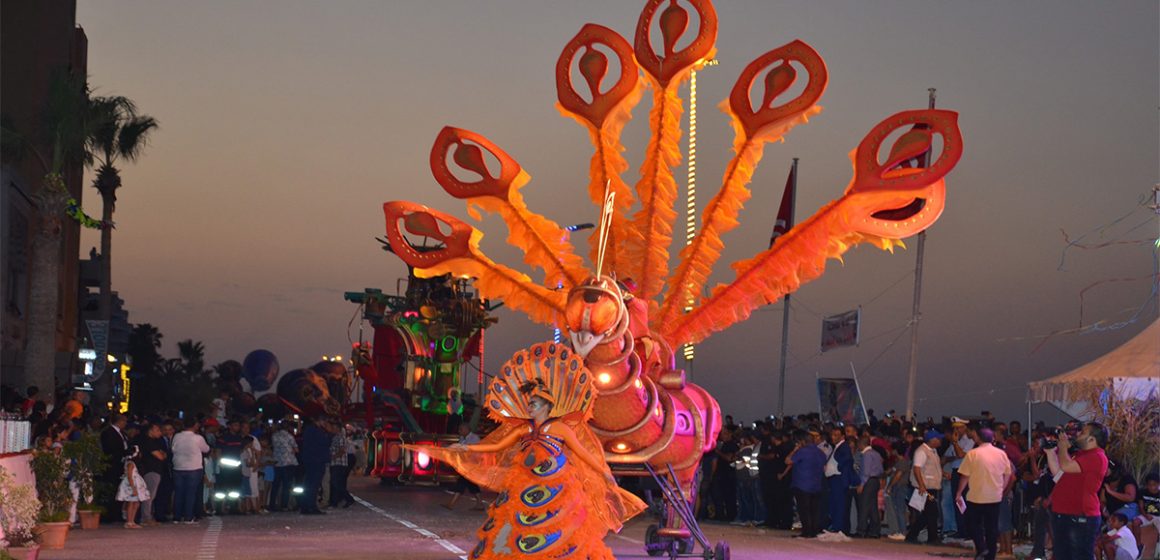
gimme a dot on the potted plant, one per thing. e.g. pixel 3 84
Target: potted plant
pixel 85 459
pixel 19 510
pixel 56 499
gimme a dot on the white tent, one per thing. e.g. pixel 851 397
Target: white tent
pixel 1130 371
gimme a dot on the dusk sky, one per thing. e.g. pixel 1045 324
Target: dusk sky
pixel 286 124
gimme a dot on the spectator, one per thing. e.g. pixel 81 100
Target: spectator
pixel 960 442
pixel 285 463
pixel 230 479
pixel 808 465
pixel 163 500
pixel 841 480
pixel 1039 482
pixel 188 449
pixel 725 478
pixel 115 446
pixel 870 475
pixel 315 456
pixel 1147 524
pixel 1119 543
pixel 775 479
pixel 1075 500
pixel 746 466
pixel 339 467
pixel 926 478
pixel 988 472
pixel 132 491
pixel 1119 494
pixel 152 462
pixel 898 488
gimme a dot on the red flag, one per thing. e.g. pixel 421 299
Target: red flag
pixel 785 213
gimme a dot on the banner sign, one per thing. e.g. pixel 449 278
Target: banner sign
pixel 99 333
pixel 841 330
pixel 840 401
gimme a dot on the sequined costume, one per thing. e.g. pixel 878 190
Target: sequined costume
pixel 557 497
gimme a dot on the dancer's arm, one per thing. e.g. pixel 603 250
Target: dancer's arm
pixel 504 443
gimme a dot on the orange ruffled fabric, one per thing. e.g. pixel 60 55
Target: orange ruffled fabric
pixel 798 257
pixel 549 504
pixel 543 242
pixel 496 281
pixel 720 215
pixel 647 252
pixel 606 167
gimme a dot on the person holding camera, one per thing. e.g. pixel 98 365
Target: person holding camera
pixel 1075 500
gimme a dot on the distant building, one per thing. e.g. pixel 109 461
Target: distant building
pixel 37 39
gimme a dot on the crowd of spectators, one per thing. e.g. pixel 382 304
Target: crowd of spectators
pixel 180 468
pixel 904 480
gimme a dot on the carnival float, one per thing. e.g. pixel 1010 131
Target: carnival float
pixel 626 313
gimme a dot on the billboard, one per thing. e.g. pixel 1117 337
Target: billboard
pixel 840 400
pixel 841 330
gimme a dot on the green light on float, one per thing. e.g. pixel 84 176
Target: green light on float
pixel 449 344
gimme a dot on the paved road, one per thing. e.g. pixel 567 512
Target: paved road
pixel 408 523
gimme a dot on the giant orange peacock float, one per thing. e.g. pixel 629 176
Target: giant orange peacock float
pixel 625 315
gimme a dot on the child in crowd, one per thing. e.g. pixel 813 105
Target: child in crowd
pixel 132 492
pixel 1118 543
pixel 1147 525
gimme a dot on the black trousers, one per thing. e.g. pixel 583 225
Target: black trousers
pixel 778 503
pixel 869 522
pixel 928 520
pixel 809 506
pixel 983 526
pixel 280 488
pixel 725 498
pixel 163 501
pixel 338 479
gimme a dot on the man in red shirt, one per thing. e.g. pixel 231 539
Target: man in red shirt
pixel 1075 501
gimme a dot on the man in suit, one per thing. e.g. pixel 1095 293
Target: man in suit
pixel 115 446
pixel 163 501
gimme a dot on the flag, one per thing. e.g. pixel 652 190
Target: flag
pixel 841 330
pixel 785 213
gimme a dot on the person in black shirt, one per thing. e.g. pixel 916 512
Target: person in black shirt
pixel 151 463
pixel 774 482
pixel 725 478
pixel 1147 525
pixel 1119 494
pixel 1033 470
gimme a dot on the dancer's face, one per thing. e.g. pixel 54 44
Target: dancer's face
pixel 540 409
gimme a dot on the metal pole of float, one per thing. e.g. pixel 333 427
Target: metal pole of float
pixel 785 310
pixel 912 378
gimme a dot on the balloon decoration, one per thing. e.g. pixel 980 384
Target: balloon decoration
pixel 627 312
pixel 306 392
pixel 260 369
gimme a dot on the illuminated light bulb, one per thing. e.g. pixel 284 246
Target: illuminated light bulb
pixel 234 495
pixel 638 383
pixel 620 447
pixel 423 460
pixel 298 490
pixel 604 378
pixel 219 495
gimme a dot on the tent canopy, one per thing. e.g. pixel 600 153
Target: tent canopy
pixel 1132 371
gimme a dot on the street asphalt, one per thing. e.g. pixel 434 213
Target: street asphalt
pixel 391 522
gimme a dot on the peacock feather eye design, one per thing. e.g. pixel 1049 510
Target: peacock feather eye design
pixel 550 466
pixel 530 544
pixel 489 524
pixel 500 499
pixel 540 494
pixel 535 518
pixel 478 550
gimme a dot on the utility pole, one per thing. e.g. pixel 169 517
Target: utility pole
pixel 912 378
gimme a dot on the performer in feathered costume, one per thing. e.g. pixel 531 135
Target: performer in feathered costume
pixel 557 497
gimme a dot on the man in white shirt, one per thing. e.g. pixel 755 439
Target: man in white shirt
pixel 926 478
pixel 989 472
pixel 188 449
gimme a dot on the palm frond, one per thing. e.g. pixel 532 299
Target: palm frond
pixel 134 135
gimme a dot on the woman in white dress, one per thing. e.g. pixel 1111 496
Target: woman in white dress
pixel 132 492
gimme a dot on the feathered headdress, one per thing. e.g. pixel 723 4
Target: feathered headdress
pixel 547 370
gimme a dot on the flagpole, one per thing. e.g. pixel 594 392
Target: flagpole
pixel 785 310
pixel 912 379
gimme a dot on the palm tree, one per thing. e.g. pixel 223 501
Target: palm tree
pixel 144 350
pixel 68 127
pixel 121 137
pixel 192 354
